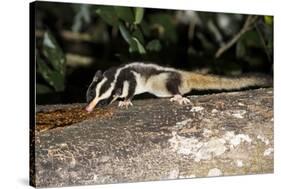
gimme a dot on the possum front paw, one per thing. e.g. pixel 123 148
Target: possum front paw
pixel 181 100
pixel 125 103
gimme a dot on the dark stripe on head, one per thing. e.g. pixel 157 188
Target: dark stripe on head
pixel 105 87
pixel 109 74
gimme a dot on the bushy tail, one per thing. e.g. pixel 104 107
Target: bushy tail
pixel 201 82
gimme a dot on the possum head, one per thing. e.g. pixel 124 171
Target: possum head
pixel 101 91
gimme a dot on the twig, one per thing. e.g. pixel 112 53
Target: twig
pixel 213 28
pixel 75 36
pixel 69 35
pixel 249 23
pixel 78 60
pixel 263 43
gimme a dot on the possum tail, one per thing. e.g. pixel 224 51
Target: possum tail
pixel 205 82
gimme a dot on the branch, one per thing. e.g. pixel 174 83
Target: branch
pixel 248 25
pixel 221 134
pixel 263 43
pixel 71 36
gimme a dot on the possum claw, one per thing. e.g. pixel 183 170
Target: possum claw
pixel 181 100
pixel 125 103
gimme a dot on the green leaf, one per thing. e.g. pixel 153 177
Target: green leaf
pixel 139 12
pixel 145 28
pixel 268 20
pixel 134 43
pixel 125 33
pixel 154 45
pixel 108 14
pixel 138 34
pixel 53 53
pixel 83 15
pixel 133 47
pixel 125 13
pixel 43 89
pixel 53 77
pixel 138 45
pixel 164 24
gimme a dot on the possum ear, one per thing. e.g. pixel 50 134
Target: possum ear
pixel 98 75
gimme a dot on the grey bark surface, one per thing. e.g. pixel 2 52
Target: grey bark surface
pixel 220 134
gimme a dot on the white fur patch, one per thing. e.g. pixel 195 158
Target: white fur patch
pixel 141 85
pixel 141 64
pixel 157 85
pixel 125 89
pixel 106 94
pixel 99 86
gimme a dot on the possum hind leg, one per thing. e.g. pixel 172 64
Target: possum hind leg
pixel 180 99
pixel 173 85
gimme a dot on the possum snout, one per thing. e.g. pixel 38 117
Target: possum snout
pixel 89 108
pixel 92 105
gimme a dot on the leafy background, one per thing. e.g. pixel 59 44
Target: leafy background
pixel 74 40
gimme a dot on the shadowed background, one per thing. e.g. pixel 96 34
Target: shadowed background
pixel 75 40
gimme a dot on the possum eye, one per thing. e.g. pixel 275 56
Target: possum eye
pixel 103 103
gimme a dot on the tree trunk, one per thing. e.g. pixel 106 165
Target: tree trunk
pixel 220 134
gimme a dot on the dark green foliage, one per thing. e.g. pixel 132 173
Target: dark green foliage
pixel 268 20
pixel 154 45
pixel 139 12
pixel 133 28
pixel 125 33
pixel 127 20
pixel 52 67
pixel 125 13
pixel 163 23
pixel 259 39
pixel 108 14
pixel 82 16
pixel 111 35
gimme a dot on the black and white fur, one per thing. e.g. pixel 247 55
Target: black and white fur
pixel 135 78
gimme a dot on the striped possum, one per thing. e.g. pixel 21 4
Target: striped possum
pixel 135 78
